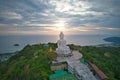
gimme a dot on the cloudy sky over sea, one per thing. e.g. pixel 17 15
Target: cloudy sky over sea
pixel 52 16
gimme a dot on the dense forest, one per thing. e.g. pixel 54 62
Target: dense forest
pixel 106 58
pixel 33 62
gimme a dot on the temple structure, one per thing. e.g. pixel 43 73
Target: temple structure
pixel 75 64
pixel 62 50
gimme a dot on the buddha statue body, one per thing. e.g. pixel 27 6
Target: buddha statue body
pixel 62 49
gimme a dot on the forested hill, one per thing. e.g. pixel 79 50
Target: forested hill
pixel 106 58
pixel 114 40
pixel 33 62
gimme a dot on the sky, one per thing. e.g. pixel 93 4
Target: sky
pixel 53 16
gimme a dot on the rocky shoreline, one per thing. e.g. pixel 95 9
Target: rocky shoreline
pixel 6 56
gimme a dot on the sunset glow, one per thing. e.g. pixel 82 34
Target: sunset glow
pixel 60 25
pixel 53 16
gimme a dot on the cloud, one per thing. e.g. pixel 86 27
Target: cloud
pixel 10 15
pixel 79 15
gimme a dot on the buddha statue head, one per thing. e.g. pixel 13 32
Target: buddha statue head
pixel 61 35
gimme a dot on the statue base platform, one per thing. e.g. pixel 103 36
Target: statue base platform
pixel 64 55
pixel 75 55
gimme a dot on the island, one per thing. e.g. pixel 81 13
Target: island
pixel 16 45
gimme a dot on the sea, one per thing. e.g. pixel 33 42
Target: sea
pixel 7 41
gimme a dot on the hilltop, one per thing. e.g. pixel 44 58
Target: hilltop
pixel 33 62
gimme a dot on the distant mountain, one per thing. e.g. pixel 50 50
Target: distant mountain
pixel 113 40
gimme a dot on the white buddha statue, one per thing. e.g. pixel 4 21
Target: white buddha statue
pixel 62 49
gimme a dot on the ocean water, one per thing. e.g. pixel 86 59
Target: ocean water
pixel 7 42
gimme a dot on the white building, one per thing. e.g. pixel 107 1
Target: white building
pixel 80 70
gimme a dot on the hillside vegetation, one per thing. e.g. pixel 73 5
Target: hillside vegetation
pixel 33 62
pixel 106 58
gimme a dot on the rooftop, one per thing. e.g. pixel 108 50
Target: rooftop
pixel 97 70
pixel 81 69
pixel 62 75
